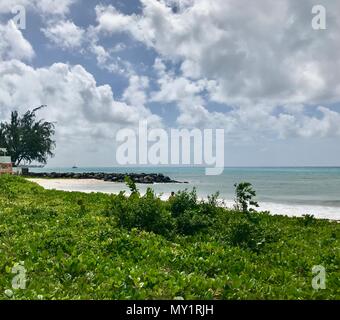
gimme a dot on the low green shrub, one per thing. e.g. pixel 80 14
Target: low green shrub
pixel 99 246
pixel 308 220
pixel 245 234
pixel 183 201
pixel 146 213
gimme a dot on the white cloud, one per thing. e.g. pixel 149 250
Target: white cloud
pixel 101 54
pixel 87 115
pixel 135 93
pixel 328 124
pixel 244 123
pixel 265 64
pixel 65 34
pixel 6 6
pixel 255 61
pixel 60 7
pixel 105 60
pixel 175 88
pixel 110 20
pixel 268 53
pixel 13 45
pixel 80 107
pixel 263 122
pixel 49 7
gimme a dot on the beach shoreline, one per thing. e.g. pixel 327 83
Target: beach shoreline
pixel 93 185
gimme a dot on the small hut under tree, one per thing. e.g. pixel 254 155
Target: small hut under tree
pixel 5 162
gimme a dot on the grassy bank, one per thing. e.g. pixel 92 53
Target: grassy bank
pixel 97 246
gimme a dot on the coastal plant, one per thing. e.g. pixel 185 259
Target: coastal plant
pixel 182 214
pixel 146 213
pixel 197 216
pixel 182 201
pixel 210 207
pixel 82 207
pixel 244 200
pixel 192 222
pixel 308 219
pixel 246 234
pixel 4 187
pixel 154 216
pixel 132 186
pixel 99 255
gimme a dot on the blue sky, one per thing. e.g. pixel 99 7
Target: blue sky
pixel 261 73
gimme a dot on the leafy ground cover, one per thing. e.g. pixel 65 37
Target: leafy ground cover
pixel 98 246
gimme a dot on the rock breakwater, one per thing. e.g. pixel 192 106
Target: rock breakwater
pixel 144 178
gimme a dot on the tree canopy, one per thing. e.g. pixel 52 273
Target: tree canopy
pixel 26 138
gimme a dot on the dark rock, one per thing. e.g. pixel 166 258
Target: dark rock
pixel 114 177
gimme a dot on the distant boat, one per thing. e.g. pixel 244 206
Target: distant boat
pixel 74 167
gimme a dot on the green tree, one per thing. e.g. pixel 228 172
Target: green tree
pixel 244 197
pixel 27 139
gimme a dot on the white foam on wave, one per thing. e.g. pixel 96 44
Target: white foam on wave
pixel 291 210
pixel 296 210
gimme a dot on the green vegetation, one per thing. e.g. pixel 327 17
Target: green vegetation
pixel 97 246
pixel 244 197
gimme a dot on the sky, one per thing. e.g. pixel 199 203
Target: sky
pixel 257 69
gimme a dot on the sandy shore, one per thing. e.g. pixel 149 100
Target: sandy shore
pixel 90 185
pixel 84 185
